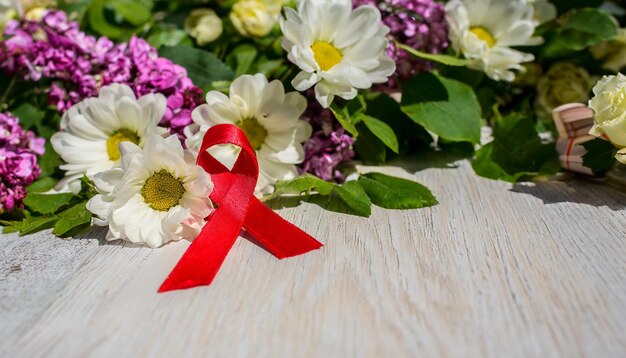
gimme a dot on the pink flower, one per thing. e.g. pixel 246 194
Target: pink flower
pixel 18 161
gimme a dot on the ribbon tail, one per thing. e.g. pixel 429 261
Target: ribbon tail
pixel 277 235
pixel 205 255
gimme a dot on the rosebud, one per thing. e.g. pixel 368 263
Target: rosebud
pixel 255 18
pixel 204 25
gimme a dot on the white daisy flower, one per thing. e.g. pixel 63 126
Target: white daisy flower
pixel 338 50
pixel 268 116
pixel 485 30
pixel 92 129
pixel 157 195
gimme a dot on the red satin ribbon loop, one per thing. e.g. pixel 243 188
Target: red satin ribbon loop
pixel 237 208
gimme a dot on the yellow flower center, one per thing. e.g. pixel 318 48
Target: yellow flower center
pixel 122 135
pixel 483 34
pixel 255 132
pixel 326 55
pixel 162 191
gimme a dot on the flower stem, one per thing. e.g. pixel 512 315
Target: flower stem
pixel 5 95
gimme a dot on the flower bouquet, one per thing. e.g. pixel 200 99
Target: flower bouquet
pixel 185 120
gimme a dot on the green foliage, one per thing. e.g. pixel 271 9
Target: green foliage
pixel 168 36
pixel 69 220
pixel 47 203
pixel 119 19
pixel 241 58
pixel 600 155
pixel 30 116
pixel 445 107
pixel 49 162
pixel 65 212
pixel 516 152
pixel 369 148
pixel 202 66
pixel 382 131
pixel 347 117
pixel 372 134
pixel 411 136
pixel 577 30
pixel 356 197
pixel 443 59
pixel 42 185
pixel 396 193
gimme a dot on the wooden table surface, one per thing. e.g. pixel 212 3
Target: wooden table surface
pixel 495 270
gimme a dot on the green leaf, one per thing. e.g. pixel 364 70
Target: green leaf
pixel 304 184
pixel 203 67
pixel 600 155
pixel 72 218
pixel 443 59
pixel 445 107
pixel 49 162
pixel 396 193
pixel 580 29
pixel 369 148
pixel 516 151
pixel 355 197
pixel 29 115
pixel 168 37
pixel 47 203
pixel 99 23
pixel 241 58
pixel 349 198
pixel 345 119
pixel 42 185
pixel 29 225
pixel 381 130
pixel 411 136
pixel 132 11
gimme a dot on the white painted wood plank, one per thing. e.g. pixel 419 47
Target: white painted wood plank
pixel 491 271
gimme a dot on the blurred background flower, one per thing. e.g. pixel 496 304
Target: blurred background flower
pixel 204 25
pixel 255 18
pixel 419 24
pixel 18 161
pixel 612 53
pixel 71 65
pixel 563 83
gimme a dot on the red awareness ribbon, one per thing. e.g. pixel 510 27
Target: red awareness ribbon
pixel 237 208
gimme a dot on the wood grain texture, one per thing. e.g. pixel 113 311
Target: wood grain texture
pixel 495 270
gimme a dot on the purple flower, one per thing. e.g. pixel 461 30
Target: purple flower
pixel 328 148
pixel 75 66
pixel 419 24
pixel 18 161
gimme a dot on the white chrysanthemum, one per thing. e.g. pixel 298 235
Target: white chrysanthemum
pixel 268 116
pixel 157 195
pixel 485 30
pixel 338 50
pixel 92 129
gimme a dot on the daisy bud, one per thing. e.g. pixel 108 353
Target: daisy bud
pixel 204 25
pixel 255 18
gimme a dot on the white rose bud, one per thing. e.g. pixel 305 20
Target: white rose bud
pixel 204 25
pixel 609 107
pixel 255 18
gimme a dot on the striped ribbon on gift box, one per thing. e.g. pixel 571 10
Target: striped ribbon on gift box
pixel 573 122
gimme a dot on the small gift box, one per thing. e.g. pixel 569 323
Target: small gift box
pixel 573 122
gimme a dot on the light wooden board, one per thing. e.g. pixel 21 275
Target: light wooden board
pixel 493 271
